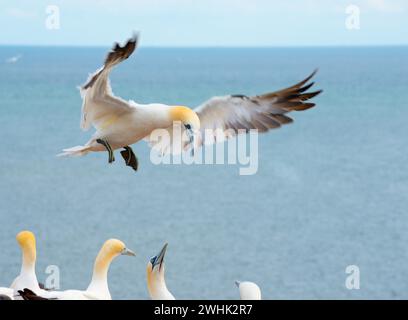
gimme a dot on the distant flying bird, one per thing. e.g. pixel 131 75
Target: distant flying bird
pixel 14 59
pixel 156 283
pixel 120 123
pixel 98 288
pixel 248 290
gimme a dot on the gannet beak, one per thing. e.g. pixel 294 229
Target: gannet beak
pixel 237 283
pixel 190 134
pixel 192 145
pixel 127 252
pixel 160 257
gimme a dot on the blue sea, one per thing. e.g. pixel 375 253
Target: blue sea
pixel 331 189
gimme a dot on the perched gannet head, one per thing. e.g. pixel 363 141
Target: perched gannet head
pixel 248 290
pixel 155 267
pixel 26 241
pixel 155 277
pixel 113 248
pixel 110 250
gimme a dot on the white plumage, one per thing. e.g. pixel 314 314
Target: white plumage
pixel 98 288
pixel 156 283
pixel 248 290
pixel 120 123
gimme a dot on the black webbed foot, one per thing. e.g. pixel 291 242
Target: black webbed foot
pixel 130 158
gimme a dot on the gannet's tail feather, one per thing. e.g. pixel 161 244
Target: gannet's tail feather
pixel 77 151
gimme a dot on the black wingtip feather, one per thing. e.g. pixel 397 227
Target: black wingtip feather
pixel 306 87
pixel 303 82
pixel 115 56
pixel 27 294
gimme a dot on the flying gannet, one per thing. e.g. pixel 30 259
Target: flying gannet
pixel 120 123
pixel 156 283
pixel 248 290
pixel 98 288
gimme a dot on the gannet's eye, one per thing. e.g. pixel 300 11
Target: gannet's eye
pixel 153 260
pixel 188 127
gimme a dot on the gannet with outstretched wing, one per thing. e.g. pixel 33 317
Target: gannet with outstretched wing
pixel 120 123
pixel 248 290
pixel 156 283
pixel 98 288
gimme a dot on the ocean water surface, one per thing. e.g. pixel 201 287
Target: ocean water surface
pixel 331 189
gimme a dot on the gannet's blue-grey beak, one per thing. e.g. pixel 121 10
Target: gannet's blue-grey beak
pixel 158 260
pixel 237 283
pixel 190 134
pixel 127 252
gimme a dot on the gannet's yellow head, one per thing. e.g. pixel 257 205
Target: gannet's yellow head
pixel 186 116
pixel 115 247
pixel 189 120
pixel 26 241
pixel 155 269
pixel 110 250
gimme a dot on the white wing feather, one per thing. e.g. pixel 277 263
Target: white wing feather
pixel 99 104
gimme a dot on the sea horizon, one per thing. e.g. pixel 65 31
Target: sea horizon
pixel 141 46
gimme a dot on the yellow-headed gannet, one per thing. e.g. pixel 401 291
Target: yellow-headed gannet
pixel 120 123
pixel 248 290
pixel 98 288
pixel 27 277
pixel 155 277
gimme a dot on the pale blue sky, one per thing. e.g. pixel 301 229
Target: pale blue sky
pixel 205 22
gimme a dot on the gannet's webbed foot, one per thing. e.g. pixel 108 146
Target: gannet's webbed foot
pixel 108 148
pixel 130 158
